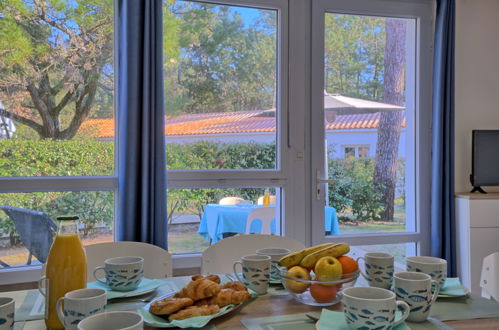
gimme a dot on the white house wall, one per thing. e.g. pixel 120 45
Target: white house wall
pixel 337 139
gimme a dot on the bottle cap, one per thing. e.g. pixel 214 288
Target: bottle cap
pixel 67 218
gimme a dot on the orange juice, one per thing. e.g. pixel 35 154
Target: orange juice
pixel 266 198
pixel 66 270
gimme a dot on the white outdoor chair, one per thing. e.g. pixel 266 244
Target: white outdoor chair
pixel 220 257
pixel 272 200
pixel 265 214
pixel 489 279
pixel 157 261
pixel 233 200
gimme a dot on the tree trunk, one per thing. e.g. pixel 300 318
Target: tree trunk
pixel 385 167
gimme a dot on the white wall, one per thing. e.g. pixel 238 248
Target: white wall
pixel 477 78
pixel 336 139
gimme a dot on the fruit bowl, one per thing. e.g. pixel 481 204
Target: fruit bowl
pixel 314 292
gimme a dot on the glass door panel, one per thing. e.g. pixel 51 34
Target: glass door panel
pixel 364 118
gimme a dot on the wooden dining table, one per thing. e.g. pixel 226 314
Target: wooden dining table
pixel 270 305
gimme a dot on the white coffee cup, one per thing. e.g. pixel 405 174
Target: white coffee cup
pixel 7 310
pixel 379 269
pixel 79 304
pixel 372 308
pixel 416 290
pixel 435 267
pixel 275 255
pixel 122 273
pixel 256 272
pixel 113 321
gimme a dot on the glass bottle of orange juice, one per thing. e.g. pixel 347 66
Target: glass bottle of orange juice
pixel 266 197
pixel 66 268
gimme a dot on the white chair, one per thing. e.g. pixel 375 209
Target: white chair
pixel 232 201
pixel 265 214
pixel 220 257
pixel 489 279
pixel 157 261
pixel 272 200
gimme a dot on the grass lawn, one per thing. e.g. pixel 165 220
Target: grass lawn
pixel 372 227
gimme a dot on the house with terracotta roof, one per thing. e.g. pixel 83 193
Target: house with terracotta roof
pixel 347 134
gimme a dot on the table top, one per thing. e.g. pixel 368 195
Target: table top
pixel 219 219
pixel 263 306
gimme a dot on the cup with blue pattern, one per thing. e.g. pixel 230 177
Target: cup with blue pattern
pixel 379 269
pixel 416 290
pixel 7 309
pixel 79 304
pixel 122 273
pixel 275 255
pixel 255 272
pixel 435 267
pixel 369 308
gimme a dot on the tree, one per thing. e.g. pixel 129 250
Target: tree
pixel 385 168
pixel 221 63
pixel 55 59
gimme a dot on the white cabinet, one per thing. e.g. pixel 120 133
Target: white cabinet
pixel 477 231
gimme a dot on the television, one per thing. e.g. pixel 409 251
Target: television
pixel 484 159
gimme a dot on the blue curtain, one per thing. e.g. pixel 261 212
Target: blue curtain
pixel 141 139
pixel 443 227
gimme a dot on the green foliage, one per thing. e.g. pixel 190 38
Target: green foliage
pixel 354 188
pixel 55 158
pixel 210 155
pixel 354 55
pixel 216 61
pixel 58 158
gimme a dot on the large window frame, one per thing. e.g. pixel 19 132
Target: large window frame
pixel 300 91
pixel 419 81
pixel 278 177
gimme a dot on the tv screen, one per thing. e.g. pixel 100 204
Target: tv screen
pixel 485 158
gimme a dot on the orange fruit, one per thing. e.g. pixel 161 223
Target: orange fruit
pixel 322 293
pixel 349 265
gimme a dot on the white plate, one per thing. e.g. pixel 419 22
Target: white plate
pixel 158 322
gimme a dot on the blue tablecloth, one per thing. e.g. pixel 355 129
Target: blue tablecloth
pixel 219 219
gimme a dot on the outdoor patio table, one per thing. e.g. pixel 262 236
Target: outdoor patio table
pixel 284 311
pixel 219 219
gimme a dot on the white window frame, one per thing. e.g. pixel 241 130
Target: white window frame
pixel 422 11
pixel 299 95
pixel 281 176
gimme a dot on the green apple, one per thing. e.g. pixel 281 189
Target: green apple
pixel 328 269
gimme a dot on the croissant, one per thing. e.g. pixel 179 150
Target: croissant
pixel 214 278
pixel 238 286
pixel 169 305
pixel 199 289
pixel 226 297
pixel 193 311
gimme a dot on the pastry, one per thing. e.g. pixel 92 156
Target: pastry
pixel 214 278
pixel 193 311
pixel 199 289
pixel 238 286
pixel 226 297
pixel 169 305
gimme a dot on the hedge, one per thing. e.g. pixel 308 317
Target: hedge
pixel 354 189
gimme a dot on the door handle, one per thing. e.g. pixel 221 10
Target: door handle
pixel 319 181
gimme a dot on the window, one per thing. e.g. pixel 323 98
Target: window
pixel 56 106
pixel 356 151
pixel 368 78
pixel 224 72
pixel 254 106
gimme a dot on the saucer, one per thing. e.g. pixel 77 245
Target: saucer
pixel 146 285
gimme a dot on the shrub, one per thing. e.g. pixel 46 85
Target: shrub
pixel 354 188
